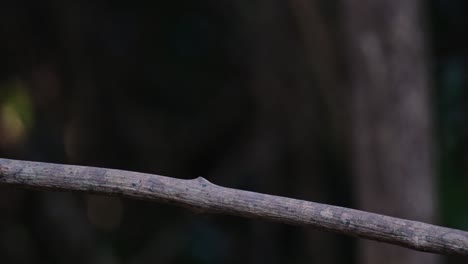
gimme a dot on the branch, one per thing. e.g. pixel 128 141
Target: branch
pixel 201 195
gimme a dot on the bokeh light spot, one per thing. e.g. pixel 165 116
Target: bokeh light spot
pixel 16 114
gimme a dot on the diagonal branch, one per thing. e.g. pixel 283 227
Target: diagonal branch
pixel 201 195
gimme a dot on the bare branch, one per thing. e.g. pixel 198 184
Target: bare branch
pixel 201 195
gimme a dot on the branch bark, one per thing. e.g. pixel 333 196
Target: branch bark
pixel 201 195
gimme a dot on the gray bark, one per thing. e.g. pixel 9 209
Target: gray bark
pixel 202 196
pixel 393 148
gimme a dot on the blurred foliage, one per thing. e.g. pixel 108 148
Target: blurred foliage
pixel 213 88
pixel 449 24
pixel 16 112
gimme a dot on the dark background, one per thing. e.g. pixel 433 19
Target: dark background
pixel 248 94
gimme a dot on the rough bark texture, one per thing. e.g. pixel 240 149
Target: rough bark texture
pixel 391 125
pixel 203 196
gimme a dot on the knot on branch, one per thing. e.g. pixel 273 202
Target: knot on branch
pixel 203 182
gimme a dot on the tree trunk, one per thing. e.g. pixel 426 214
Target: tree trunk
pixel 392 138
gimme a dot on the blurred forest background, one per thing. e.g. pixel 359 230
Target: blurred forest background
pixel 353 103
